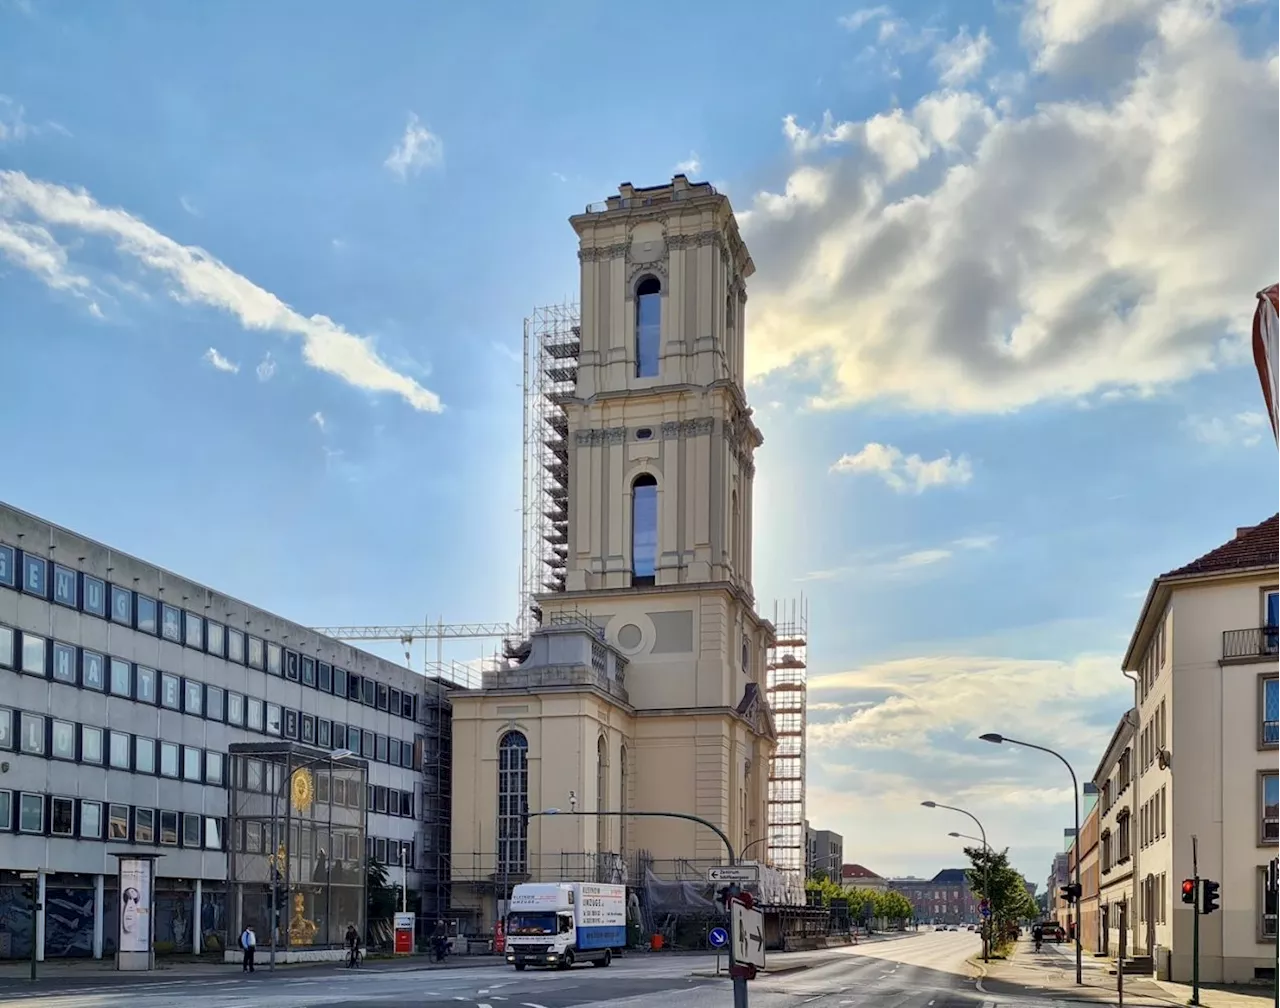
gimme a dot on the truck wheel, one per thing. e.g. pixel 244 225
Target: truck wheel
pixel 605 959
pixel 566 961
pixel 519 967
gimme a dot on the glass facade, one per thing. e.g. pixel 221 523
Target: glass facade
pixel 297 824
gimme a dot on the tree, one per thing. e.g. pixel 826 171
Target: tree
pixel 380 895
pixel 892 906
pixel 991 878
pixel 823 890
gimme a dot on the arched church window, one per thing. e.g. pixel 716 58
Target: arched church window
pixel 602 793
pixel 622 800
pixel 644 529
pixel 513 803
pixel 648 326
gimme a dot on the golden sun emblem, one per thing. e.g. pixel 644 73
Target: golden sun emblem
pixel 302 789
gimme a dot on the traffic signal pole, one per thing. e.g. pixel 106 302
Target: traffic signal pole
pixel 1195 927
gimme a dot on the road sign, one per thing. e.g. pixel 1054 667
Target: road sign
pixel 718 937
pixel 734 873
pixel 984 908
pixel 748 935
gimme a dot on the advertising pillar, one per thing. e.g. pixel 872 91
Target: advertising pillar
pixel 134 941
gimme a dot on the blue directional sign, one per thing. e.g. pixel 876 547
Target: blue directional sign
pixel 718 937
pixel 985 910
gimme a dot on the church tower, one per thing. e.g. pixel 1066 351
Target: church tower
pixel 642 688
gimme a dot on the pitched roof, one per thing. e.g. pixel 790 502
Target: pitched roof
pixel 1258 546
pixel 951 875
pixel 856 871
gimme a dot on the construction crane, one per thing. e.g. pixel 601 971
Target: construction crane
pixel 440 631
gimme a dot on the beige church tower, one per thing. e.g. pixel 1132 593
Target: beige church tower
pixel 641 685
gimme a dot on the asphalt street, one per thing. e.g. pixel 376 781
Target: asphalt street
pixel 925 970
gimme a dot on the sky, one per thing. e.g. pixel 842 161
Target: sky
pixel 263 270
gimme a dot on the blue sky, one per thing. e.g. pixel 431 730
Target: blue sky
pixel 262 276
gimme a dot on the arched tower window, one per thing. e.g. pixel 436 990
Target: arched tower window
pixel 648 326
pixel 513 803
pixel 622 800
pixel 602 793
pixel 644 529
pixel 735 534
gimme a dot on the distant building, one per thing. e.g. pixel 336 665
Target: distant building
pixel 855 876
pixel 944 899
pixel 824 851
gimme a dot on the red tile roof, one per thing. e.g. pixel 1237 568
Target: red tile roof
pixel 1258 546
pixel 856 871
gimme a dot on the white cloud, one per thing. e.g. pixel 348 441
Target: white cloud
pixel 318 419
pixel 196 277
pixel 890 563
pixel 1242 429
pixel 211 356
pixel 906 473
pixel 860 18
pixel 266 369
pixel 188 206
pixel 915 698
pixel 962 59
pixel 416 149
pixel 1091 245
pixel 13 125
pixel 690 166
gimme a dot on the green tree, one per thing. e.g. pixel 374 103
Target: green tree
pixel 380 894
pixel 992 878
pixel 893 907
pixel 822 889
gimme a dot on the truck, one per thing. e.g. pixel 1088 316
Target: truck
pixel 556 924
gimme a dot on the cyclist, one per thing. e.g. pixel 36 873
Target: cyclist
pixel 1037 935
pixel 352 940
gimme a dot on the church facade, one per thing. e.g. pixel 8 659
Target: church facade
pixel 642 690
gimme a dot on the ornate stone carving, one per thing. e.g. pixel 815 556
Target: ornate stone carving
pixel 673 429
pixel 599 436
pixel 603 252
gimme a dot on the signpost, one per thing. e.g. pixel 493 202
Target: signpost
pixel 748 935
pixel 718 938
pixel 734 873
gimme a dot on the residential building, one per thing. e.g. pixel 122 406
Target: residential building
pixel 855 876
pixel 643 686
pixel 1058 877
pixel 944 899
pixel 124 690
pixel 1203 757
pixel 824 851
pixel 1115 782
pixel 1086 849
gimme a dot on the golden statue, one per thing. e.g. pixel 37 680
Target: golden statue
pixel 301 930
pixel 302 789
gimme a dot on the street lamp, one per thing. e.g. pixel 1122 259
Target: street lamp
pixel 333 756
pixel 999 739
pixel 739 979
pixel 986 870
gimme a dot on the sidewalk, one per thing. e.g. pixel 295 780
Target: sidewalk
pixel 1051 973
pixel 197 967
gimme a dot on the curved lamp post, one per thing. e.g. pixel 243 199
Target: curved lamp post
pixel 998 739
pixel 986 868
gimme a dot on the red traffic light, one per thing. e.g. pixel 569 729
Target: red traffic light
pixel 1188 890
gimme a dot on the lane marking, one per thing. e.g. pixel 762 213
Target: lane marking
pixel 531 1004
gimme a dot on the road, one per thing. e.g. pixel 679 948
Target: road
pixel 925 970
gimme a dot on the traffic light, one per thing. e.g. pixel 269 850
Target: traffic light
pixel 1070 892
pixel 1189 890
pixel 1209 896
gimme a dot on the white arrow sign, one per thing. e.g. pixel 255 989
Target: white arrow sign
pixel 735 873
pixel 748 935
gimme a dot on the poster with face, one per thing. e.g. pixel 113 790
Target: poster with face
pixel 135 905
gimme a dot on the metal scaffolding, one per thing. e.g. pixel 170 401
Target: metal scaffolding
pixel 786 693
pixel 552 341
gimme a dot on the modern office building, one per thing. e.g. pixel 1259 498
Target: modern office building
pixel 824 851
pixel 123 689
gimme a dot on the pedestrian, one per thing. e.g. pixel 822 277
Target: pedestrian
pixel 352 940
pixel 248 942
pixel 440 941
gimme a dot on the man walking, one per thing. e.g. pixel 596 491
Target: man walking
pixel 248 942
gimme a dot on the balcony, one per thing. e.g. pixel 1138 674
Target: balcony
pixel 1250 644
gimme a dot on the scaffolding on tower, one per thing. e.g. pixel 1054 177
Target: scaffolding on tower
pixel 786 692
pixel 552 340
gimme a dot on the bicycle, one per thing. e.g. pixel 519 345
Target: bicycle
pixel 354 958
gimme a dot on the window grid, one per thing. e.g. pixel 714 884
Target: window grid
pixel 513 802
